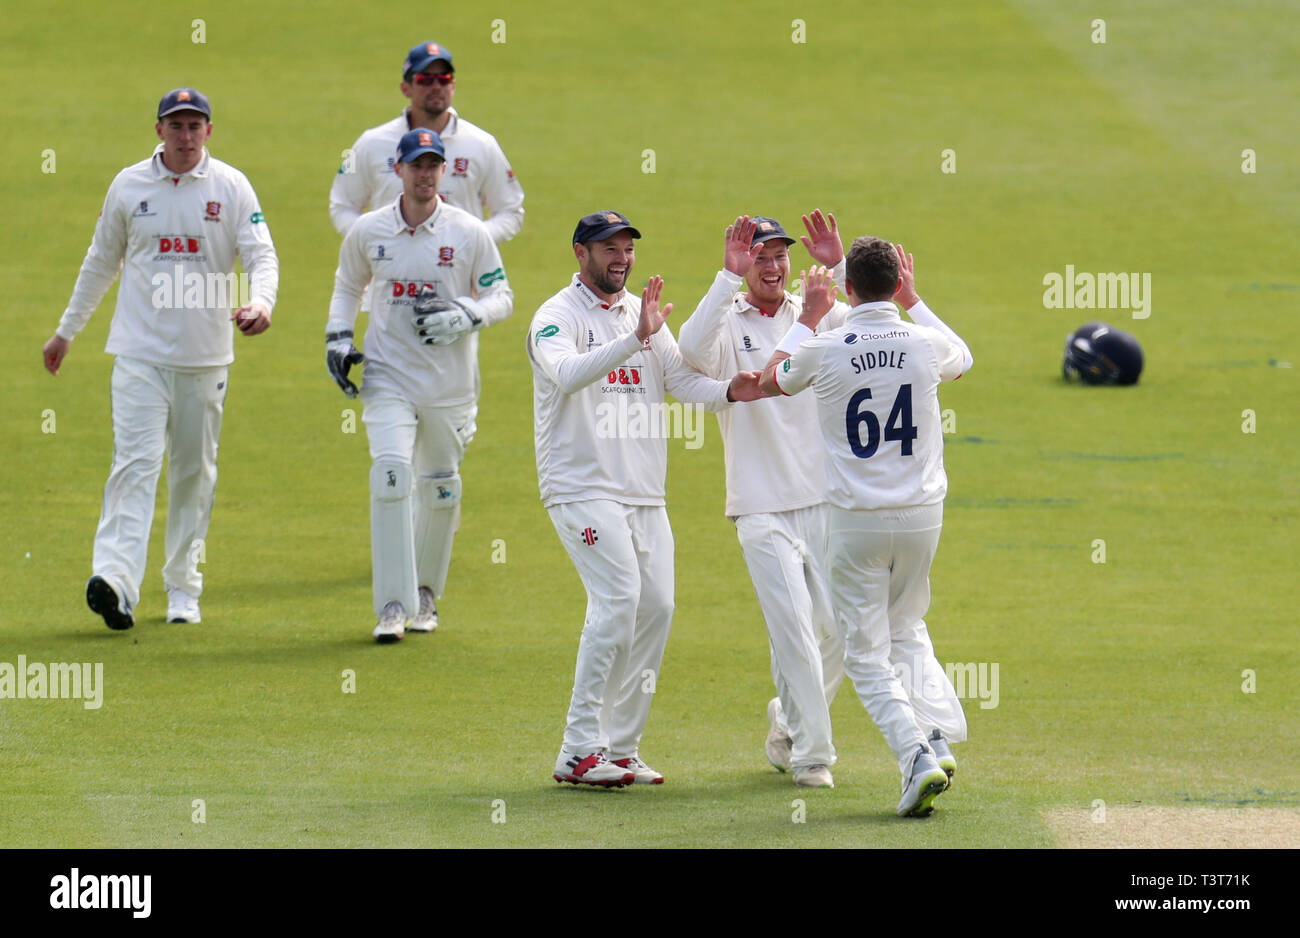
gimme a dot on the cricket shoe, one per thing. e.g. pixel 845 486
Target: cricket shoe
pixel 426 619
pixel 779 745
pixel 642 774
pixel 103 601
pixel 943 754
pixel 591 769
pixel 392 624
pixel 182 607
pixel 813 776
pixel 926 782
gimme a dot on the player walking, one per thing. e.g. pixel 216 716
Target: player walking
pixel 179 218
pixel 876 384
pixel 437 280
pixel 591 345
pixel 479 178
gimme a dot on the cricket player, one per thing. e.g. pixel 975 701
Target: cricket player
pixel 876 382
pixel 479 178
pixel 596 350
pixel 173 226
pixel 436 280
pixel 775 493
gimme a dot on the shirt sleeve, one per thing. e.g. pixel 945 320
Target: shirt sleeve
pixel 684 382
pixel 502 196
pixel 954 355
pixel 350 194
pixel 101 266
pixel 495 300
pixel 256 249
pixel 552 345
pixel 350 281
pixel 797 372
pixel 701 342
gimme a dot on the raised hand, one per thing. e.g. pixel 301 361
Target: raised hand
pixel 823 239
pixel 651 318
pixel 906 295
pixel 739 254
pixel 818 290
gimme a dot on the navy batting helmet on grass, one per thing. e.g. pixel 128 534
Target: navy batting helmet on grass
pixel 1096 353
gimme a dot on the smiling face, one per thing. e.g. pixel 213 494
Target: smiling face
pixel 183 135
pixel 767 278
pixel 605 265
pixel 421 177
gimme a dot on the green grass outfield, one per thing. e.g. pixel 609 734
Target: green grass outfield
pixel 1119 681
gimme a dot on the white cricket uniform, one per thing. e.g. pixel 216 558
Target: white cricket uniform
pixel 602 458
pixel 174 239
pixel 420 400
pixel 776 496
pixel 875 380
pixel 478 178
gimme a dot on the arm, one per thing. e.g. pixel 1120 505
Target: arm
pixel 907 297
pixel 350 193
pixel 257 254
pixel 503 197
pixel 100 268
pixel 552 345
pixel 700 341
pixel 818 291
pixel 350 281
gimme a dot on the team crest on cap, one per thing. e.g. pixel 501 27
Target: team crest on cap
pixel 613 219
pixel 426 140
pixel 765 226
pixel 445 255
pixel 183 96
pixel 433 49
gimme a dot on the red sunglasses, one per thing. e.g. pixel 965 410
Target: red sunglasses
pixel 442 78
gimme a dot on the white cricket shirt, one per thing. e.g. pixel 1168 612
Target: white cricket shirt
pixel 876 381
pixel 174 238
pixel 478 178
pixel 772 448
pixel 598 396
pixel 451 252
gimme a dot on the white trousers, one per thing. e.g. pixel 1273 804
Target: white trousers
pixel 624 555
pixel 880 586
pixel 432 441
pixel 785 554
pixel 157 412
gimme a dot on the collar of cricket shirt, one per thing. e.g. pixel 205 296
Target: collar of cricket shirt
pixel 746 306
pixel 160 170
pixel 448 131
pixel 880 309
pixel 399 221
pixel 595 302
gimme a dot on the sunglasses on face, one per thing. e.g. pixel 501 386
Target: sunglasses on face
pixel 442 78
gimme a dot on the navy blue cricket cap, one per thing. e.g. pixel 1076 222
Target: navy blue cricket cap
pixel 422 56
pixel 184 99
pixel 600 225
pixel 419 141
pixel 768 229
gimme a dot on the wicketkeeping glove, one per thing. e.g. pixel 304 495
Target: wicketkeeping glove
pixel 440 321
pixel 340 356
